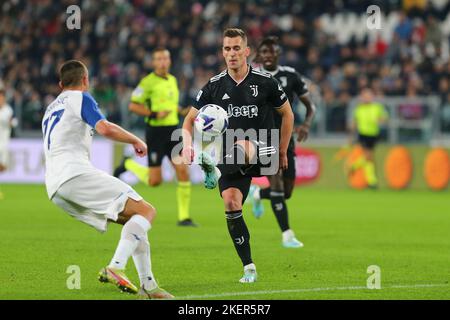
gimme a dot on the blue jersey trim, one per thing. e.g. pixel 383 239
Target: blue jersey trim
pixel 90 113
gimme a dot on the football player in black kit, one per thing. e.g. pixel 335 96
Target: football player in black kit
pixel 250 97
pixel 282 184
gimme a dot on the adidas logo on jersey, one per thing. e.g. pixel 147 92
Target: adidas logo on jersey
pixel 225 97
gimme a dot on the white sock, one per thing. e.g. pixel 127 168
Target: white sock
pixel 142 261
pixel 250 266
pixel 288 235
pixel 132 232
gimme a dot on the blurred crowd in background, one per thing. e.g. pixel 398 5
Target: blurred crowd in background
pixel 117 37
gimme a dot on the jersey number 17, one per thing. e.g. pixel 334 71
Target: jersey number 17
pixel 50 124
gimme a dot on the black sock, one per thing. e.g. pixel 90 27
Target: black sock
pixel 233 161
pixel 240 235
pixel 264 193
pixel 280 209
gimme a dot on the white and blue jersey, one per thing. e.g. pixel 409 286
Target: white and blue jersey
pixel 67 127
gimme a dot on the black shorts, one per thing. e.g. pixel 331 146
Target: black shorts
pixel 264 162
pixel 238 181
pixel 159 144
pixel 367 142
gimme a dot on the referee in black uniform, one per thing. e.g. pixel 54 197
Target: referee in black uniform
pixel 249 96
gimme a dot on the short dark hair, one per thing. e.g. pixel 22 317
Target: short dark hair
pixel 71 73
pixel 235 32
pixel 160 49
pixel 269 41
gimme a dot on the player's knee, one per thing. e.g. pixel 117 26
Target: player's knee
pixel 232 203
pixel 148 211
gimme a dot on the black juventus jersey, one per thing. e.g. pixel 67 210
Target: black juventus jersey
pixel 292 83
pixel 250 104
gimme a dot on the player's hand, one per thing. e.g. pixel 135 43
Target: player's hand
pixel 188 154
pixel 302 132
pixel 283 161
pixel 140 148
pixel 162 114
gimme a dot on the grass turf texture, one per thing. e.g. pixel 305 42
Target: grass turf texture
pixel 405 233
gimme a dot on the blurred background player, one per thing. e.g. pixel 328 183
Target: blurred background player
pixel 6 123
pixel 156 97
pixel 367 119
pixel 88 194
pixel 282 184
pixel 235 89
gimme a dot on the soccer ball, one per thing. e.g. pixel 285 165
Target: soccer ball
pixel 211 121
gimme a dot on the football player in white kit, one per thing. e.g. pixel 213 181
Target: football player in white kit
pixel 6 121
pixel 91 195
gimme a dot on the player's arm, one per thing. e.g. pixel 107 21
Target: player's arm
pixel 183 111
pixel 384 116
pixel 91 114
pixel 303 129
pixel 302 92
pixel 138 106
pixel 287 125
pixel 188 124
pixel 351 129
pixel 139 109
pixel 114 132
pixel 280 103
pixel 142 110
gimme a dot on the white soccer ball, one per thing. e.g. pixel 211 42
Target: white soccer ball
pixel 211 120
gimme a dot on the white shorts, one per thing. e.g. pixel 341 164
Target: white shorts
pixel 94 198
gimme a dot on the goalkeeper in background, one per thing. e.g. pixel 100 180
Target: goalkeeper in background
pixel 367 119
pixel 156 98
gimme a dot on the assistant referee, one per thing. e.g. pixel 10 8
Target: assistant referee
pixel 156 97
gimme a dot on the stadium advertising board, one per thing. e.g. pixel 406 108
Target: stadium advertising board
pixel 26 160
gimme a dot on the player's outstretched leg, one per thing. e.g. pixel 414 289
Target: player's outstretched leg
pixel 212 173
pixel 136 218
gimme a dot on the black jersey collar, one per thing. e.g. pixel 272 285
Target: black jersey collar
pixel 246 76
pixel 273 73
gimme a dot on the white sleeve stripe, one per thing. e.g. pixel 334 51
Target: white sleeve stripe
pixel 267 75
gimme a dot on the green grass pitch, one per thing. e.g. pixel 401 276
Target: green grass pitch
pixel 406 234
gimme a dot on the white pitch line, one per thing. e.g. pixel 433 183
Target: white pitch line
pixel 265 292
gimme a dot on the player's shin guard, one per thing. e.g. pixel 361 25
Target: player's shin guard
pixel 239 234
pixel 132 232
pixel 142 261
pixel 279 209
pixel 184 199
pixel 233 161
pixel 140 171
